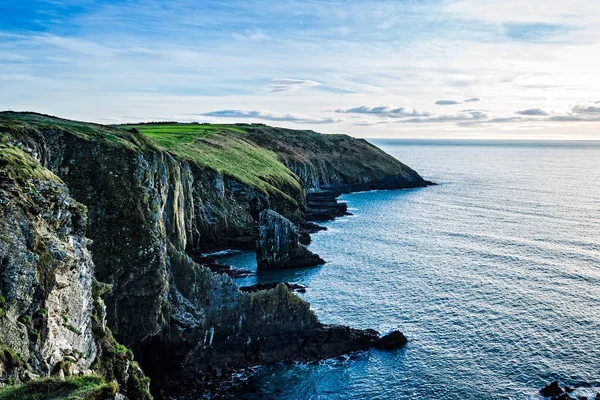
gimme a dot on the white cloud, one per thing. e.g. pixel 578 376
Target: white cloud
pixel 167 60
pixel 447 102
pixel 385 111
pixel 532 112
pixel 282 85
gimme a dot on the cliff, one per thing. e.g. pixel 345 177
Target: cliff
pixel 51 312
pixel 335 162
pixel 156 197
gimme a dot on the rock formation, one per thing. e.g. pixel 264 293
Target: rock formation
pixel 148 211
pixel 51 312
pixel 279 246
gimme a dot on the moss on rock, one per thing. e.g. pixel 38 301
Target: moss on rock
pixel 91 387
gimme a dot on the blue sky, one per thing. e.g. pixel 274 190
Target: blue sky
pixel 460 68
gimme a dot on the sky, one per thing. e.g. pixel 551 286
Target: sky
pixel 411 69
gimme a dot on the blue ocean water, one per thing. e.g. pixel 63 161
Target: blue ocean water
pixel 493 275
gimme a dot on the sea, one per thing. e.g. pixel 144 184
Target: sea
pixel 493 275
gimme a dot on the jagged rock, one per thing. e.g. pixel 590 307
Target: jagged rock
pixel 278 244
pixel 293 287
pixel 323 206
pixel 553 389
pixel 148 209
pixel 390 341
pixel 563 396
pixel 311 227
pixel 48 314
pixel 215 267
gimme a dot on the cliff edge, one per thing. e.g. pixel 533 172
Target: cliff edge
pixel 144 203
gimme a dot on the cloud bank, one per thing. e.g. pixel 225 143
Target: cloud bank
pixel 532 111
pixel 385 111
pixel 454 102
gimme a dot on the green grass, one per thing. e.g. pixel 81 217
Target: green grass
pixel 21 167
pixel 225 149
pixel 79 388
pixel 27 122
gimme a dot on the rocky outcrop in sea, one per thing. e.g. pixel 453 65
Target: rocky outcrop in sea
pixel 278 245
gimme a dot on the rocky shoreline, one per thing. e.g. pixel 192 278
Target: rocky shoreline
pixel 127 238
pixel 580 391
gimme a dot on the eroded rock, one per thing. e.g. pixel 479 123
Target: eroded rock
pixel 279 246
pixel 392 340
pixel 553 389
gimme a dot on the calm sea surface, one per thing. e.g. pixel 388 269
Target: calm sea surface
pixel 494 276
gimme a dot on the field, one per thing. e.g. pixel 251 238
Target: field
pixel 226 149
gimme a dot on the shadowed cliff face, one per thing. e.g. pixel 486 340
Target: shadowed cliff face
pixel 152 211
pixel 335 162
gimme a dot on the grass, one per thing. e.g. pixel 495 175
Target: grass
pixel 89 387
pixel 21 167
pixel 226 149
pixel 25 123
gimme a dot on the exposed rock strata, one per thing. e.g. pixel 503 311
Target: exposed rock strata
pixel 279 246
pixel 323 206
pixel 51 316
pixel 148 211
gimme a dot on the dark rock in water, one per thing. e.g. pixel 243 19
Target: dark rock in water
pixel 323 206
pixel 552 389
pixel 217 268
pixel 279 246
pixel 229 270
pixel 311 227
pixel 304 238
pixel 266 336
pixel 569 389
pixel 390 341
pixel 563 396
pixel 293 287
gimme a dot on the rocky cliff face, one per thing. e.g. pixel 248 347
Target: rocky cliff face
pixel 335 162
pixel 50 319
pixel 150 214
pixel 278 245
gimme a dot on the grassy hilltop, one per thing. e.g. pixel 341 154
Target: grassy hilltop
pixel 225 148
pixel 274 161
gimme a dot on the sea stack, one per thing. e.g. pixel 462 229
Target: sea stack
pixel 279 246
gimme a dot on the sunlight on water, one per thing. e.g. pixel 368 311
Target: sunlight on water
pixel 494 276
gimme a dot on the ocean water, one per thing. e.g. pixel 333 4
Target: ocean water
pixel 493 275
